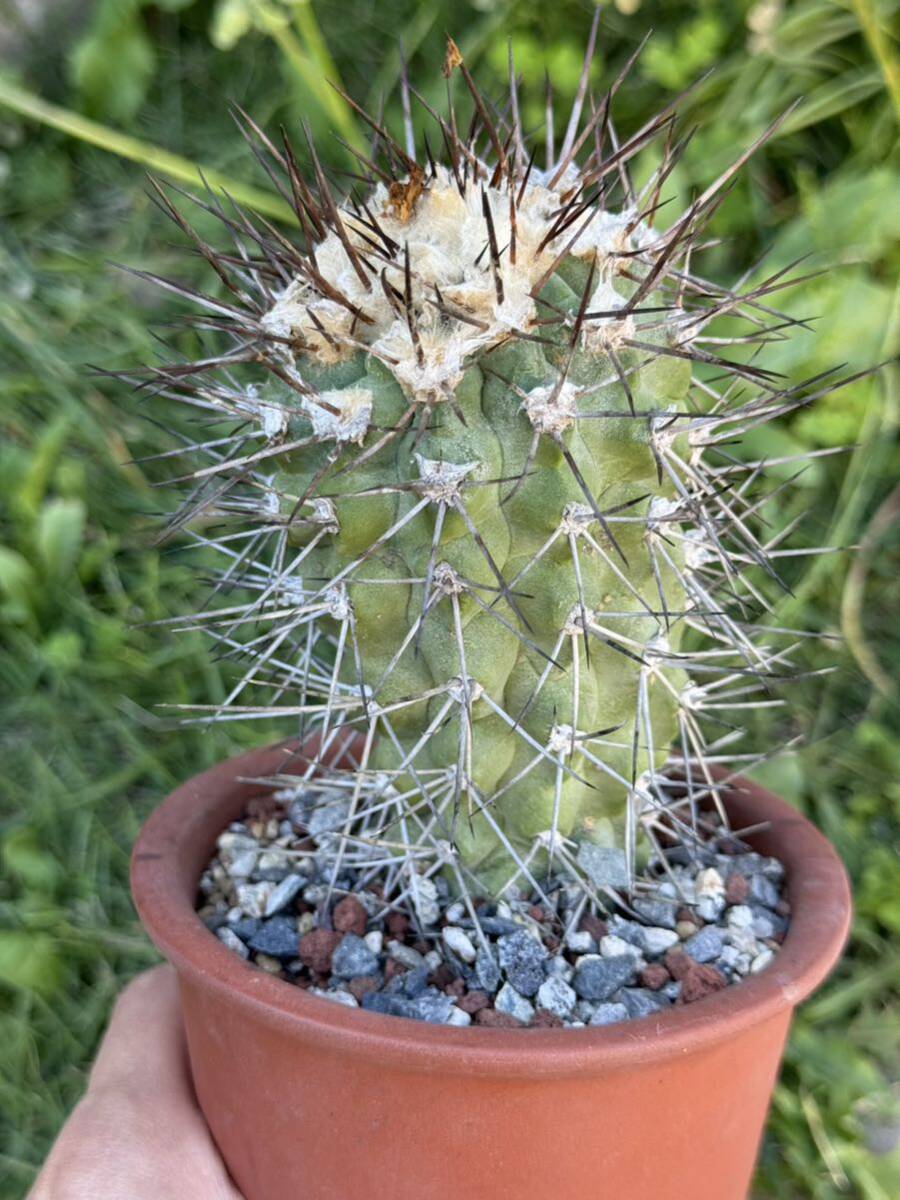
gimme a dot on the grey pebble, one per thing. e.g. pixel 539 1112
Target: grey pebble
pixel 353 958
pixel 514 1004
pixel 705 945
pixel 276 937
pixel 597 978
pixel 522 958
pixel 556 996
pixel 230 939
pixel 641 1002
pixel 608 1014
pixel 283 894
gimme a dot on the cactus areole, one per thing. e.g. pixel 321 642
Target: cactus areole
pixel 479 503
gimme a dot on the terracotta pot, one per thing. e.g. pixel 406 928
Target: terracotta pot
pixel 309 1099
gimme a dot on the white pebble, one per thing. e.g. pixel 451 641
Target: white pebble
pixel 556 996
pixel 579 941
pixel 458 1017
pixel 432 960
pixel 657 940
pixel 283 894
pixel 739 916
pixel 375 941
pixel 709 883
pixel 336 997
pixel 252 898
pixel 405 955
pixel 455 913
pixel 459 942
pixel 710 908
pixel 612 946
pixel 230 939
pixel 509 1001
pixel 425 901
pixel 761 961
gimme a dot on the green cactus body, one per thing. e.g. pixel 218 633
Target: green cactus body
pixel 487 512
pixel 477 494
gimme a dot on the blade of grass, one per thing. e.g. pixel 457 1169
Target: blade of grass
pixel 153 157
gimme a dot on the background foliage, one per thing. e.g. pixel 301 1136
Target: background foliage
pixel 86 749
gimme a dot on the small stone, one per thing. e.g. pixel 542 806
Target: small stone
pixel 654 976
pixel 514 1004
pixel 252 898
pixel 737 889
pixel 613 946
pixel 580 941
pixel 473 1002
pixel 672 991
pixel 608 1014
pixel 276 937
pixel 492 1019
pixel 459 942
pixel 710 908
pixel 415 982
pixel 543 1019
pixel 425 900
pixel 641 1002
pixel 330 812
pixel 593 925
pixel 658 940
pixel 597 978
pixel 245 927
pixel 606 866
pixel 433 960
pixel 740 916
pixel 316 949
pixel 522 958
pixel 701 980
pixel 362 986
pixel 555 996
pixel 764 923
pixel 656 912
pixel 762 960
pixel 455 913
pixel 267 963
pixel 487 972
pixel 629 931
pixel 705 945
pixel 559 968
pixel 678 964
pixel 686 929
pixel 349 916
pixel 344 998
pixel 283 894
pixel 763 891
pixel 405 955
pixel 306 922
pixel 432 1006
pixel 243 865
pixel 709 883
pixel 353 957
pixel 458 1017
pixel 375 941
pixel 230 939
pixel 397 924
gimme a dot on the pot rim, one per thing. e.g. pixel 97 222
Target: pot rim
pixel 164 877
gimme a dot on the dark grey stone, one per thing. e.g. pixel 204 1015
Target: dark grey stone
pixel 656 912
pixel 705 945
pixel 432 1006
pixel 487 972
pixel 628 931
pixel 597 978
pixel 276 937
pixel 522 958
pixel 606 866
pixel 763 891
pixel 641 1002
pixel 245 928
pixel 415 982
pixel 353 958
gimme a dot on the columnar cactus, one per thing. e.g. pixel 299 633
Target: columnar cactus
pixel 483 496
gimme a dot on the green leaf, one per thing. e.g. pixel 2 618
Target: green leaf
pixel 113 65
pixel 60 529
pixel 29 960
pixel 231 20
pixel 19 585
pixel 23 858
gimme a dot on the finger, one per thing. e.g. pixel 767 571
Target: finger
pixel 144 1044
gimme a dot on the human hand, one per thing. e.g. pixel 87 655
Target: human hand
pixel 137 1134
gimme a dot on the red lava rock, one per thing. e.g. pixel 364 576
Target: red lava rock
pixel 737 889
pixel 349 916
pixel 473 1002
pixel 362 986
pixel 455 988
pixel 678 963
pixel 654 976
pixel 783 908
pixel 552 943
pixel 316 949
pixel 263 808
pixel 392 968
pixel 441 976
pixel 496 1020
pixel 422 946
pixel 702 979
pixel 688 914
pixel 543 1019
pixel 537 913
pixel 593 925
pixel 397 925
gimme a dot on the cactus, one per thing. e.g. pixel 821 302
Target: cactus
pixel 480 491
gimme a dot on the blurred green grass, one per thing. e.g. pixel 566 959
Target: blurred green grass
pixel 85 751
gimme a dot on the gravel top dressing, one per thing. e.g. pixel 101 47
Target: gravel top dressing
pixel 279 894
